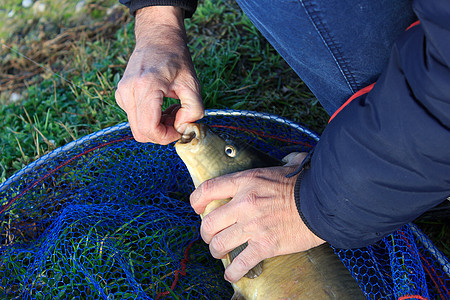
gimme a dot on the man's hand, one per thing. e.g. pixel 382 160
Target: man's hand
pixel 262 212
pixel 160 66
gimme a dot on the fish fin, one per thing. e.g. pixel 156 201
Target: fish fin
pixel 255 271
pixel 237 296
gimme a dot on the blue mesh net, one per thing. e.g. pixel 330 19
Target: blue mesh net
pixel 105 217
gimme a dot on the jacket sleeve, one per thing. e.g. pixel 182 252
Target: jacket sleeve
pixel 385 158
pixel 189 6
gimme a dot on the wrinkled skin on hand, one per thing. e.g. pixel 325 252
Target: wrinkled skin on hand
pixel 262 212
pixel 160 66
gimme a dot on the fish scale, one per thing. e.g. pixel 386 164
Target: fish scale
pixel 314 274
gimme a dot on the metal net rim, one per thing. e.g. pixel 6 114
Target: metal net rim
pixel 103 132
pixel 428 245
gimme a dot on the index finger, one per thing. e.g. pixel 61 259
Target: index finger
pixel 148 118
pixel 222 187
pixel 191 108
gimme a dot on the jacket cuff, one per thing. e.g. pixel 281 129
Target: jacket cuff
pixel 297 188
pixel 324 223
pixel 189 6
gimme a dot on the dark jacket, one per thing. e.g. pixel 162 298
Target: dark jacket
pixel 384 159
pixel 189 6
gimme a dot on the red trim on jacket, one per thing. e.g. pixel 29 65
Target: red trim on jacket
pixel 363 90
pixel 355 95
pixel 367 88
pixel 413 24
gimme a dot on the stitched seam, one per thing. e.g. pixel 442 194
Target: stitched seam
pixel 335 52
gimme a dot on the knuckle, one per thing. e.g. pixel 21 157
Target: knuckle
pixel 242 264
pixel 251 199
pixel 237 178
pixel 155 87
pixel 250 175
pixel 253 173
pixel 194 84
pixel 193 198
pixel 188 81
pixel 141 83
pixel 144 128
pixel 117 94
pixel 140 138
pixel 218 247
pixel 141 133
pixel 206 186
pixel 208 224
pixel 122 85
pixel 266 245
pixel 119 100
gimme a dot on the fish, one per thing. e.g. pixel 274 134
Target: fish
pixel 314 274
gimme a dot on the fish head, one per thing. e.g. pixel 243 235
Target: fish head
pixel 208 155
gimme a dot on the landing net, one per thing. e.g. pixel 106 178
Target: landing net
pixel 105 217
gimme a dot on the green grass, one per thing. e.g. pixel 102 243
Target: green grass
pixel 237 68
pixel 46 16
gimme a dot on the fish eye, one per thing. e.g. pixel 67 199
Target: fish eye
pixel 230 151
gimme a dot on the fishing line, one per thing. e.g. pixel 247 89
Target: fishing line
pixel 45 68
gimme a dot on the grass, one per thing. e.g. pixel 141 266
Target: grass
pixel 237 69
pixel 78 57
pixel 52 111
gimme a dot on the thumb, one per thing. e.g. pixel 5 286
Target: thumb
pixel 294 158
pixel 191 109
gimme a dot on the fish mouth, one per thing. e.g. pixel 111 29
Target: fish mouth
pixel 192 134
pixel 186 138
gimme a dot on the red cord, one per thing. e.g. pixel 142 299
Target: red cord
pixel 412 297
pixel 183 263
pixel 424 261
pixel 258 133
pixel 186 251
pixel 427 267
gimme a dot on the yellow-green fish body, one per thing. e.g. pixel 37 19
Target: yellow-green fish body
pixel 314 274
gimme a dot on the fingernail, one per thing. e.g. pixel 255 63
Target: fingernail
pixel 181 128
pixel 226 278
